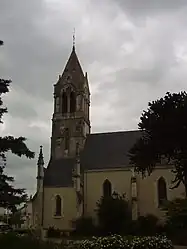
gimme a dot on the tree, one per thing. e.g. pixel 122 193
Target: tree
pixel 10 197
pixel 16 219
pixel 164 133
pixel 113 214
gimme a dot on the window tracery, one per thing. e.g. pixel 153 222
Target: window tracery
pixel 64 102
pixel 72 102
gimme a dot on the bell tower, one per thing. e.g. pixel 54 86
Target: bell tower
pixel 70 122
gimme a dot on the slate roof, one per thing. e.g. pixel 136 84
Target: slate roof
pixel 101 151
pixel 73 71
pixel 73 64
pixel 59 173
pixel 108 150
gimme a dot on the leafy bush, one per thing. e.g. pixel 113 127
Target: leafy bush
pixel 176 213
pixel 147 225
pixel 53 233
pixel 117 242
pixel 176 220
pixel 84 226
pixel 16 241
pixel 113 213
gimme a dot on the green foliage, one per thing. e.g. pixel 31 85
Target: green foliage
pixel 176 220
pixel 147 225
pixel 10 197
pixel 117 242
pixel 164 132
pixel 16 219
pixel 113 213
pixel 84 226
pixel 15 241
pixel 176 213
pixel 53 233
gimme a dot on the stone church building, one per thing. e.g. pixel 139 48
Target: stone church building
pixel 84 166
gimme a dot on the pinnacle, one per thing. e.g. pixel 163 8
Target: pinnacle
pixel 40 158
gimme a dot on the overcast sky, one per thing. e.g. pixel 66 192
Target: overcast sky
pixel 133 50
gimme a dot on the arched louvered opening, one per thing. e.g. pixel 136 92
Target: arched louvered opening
pixel 162 191
pixel 58 205
pixel 64 103
pixel 72 102
pixel 107 188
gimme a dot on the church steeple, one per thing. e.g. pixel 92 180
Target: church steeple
pixel 71 121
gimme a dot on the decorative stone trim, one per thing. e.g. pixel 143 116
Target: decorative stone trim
pixel 134 199
pixel 133 179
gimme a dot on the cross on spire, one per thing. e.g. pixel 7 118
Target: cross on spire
pixel 73 38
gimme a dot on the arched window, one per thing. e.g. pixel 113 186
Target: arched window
pixel 72 102
pixel 162 191
pixel 64 103
pixel 58 207
pixel 66 142
pixel 107 188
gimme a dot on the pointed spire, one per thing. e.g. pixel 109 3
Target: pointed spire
pixel 73 65
pixel 40 158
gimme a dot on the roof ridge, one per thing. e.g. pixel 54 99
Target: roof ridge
pixel 114 132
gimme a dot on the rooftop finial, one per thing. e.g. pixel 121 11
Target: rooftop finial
pixel 40 158
pixel 74 38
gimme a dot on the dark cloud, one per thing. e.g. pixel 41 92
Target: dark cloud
pixel 134 52
pixel 144 8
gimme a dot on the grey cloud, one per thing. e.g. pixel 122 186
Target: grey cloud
pixel 28 53
pixel 24 170
pixel 21 110
pixel 150 8
pixel 127 47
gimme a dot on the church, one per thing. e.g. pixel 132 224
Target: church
pixel 84 166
